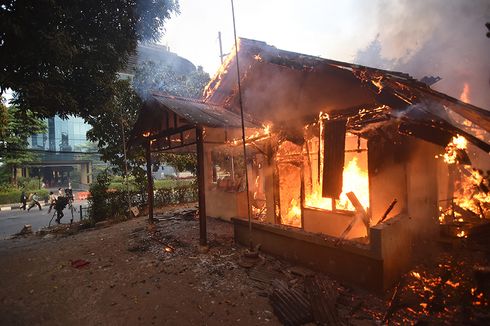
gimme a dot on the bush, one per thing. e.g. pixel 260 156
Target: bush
pixel 177 195
pixel 13 196
pixel 29 183
pixel 99 210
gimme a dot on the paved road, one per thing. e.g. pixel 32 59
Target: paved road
pixel 12 221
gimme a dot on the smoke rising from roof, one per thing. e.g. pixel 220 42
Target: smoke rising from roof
pixel 445 38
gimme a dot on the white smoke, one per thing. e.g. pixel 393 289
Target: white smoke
pixel 445 38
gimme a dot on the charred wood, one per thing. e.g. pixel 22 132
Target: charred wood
pixel 334 156
pixel 323 299
pixel 388 210
pixel 359 208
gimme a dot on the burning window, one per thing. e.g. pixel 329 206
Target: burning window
pixel 354 174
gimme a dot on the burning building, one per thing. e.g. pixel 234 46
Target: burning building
pixel 343 162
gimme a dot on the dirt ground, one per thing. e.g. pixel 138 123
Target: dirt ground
pixel 131 274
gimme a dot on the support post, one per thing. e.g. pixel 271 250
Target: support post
pixel 203 241
pixel 150 180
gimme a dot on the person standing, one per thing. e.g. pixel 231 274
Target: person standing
pixel 35 201
pixel 52 201
pixel 23 200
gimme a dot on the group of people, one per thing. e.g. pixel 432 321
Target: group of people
pixel 33 200
pixel 56 201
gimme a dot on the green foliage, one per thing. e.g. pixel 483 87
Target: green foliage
pixel 20 125
pixel 177 195
pixel 99 209
pixel 62 57
pixel 108 126
pixel 181 161
pixel 118 184
pixel 12 196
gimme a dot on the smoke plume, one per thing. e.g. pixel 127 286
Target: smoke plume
pixel 445 38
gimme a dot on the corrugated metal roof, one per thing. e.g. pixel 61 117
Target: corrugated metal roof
pixel 201 113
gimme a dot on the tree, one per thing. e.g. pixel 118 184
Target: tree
pixel 14 135
pixel 123 110
pixel 61 57
pixel 119 114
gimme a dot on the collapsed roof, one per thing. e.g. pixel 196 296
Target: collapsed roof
pixel 288 88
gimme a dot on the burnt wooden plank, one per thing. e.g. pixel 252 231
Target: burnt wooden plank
pixel 334 147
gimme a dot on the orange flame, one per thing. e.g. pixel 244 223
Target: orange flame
pixel 354 179
pixel 293 216
pixel 465 95
pixel 458 142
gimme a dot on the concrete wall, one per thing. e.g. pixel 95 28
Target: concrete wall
pixel 393 243
pixel 223 204
pixel 422 189
pixel 331 223
pixel 350 262
pixel 86 173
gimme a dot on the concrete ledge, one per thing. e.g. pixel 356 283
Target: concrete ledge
pixel 350 262
pixel 9 207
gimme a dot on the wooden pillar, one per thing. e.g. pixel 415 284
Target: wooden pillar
pixel 203 240
pixel 150 180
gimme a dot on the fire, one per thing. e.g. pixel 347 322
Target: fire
pixel 215 82
pixel 461 234
pixel 470 192
pixel 257 135
pixel 457 143
pixel 465 95
pixel 377 82
pixel 293 217
pixel 354 179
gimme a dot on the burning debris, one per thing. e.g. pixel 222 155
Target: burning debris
pixel 469 192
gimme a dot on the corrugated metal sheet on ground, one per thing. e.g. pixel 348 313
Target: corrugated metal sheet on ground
pixel 290 305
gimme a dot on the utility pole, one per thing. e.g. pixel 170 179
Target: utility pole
pixel 221 55
pixel 125 163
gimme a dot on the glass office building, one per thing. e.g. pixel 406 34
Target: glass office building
pixel 60 154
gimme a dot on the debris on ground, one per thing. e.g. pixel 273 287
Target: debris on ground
pixel 79 263
pixel 133 265
pixel 25 231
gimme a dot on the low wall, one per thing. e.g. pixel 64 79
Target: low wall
pixel 350 262
pixel 331 223
pixel 375 266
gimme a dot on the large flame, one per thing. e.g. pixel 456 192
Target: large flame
pixel 471 188
pixel 451 154
pixel 293 216
pixel 354 179
pixel 465 95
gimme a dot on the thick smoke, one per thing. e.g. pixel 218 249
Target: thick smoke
pixel 445 38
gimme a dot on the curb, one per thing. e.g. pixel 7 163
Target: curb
pixel 9 207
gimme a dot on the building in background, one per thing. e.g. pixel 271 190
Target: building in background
pixel 65 158
pixel 64 155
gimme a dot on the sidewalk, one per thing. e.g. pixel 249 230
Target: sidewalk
pixel 8 207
